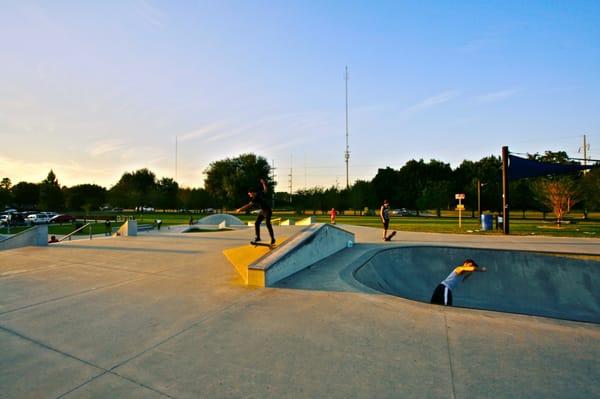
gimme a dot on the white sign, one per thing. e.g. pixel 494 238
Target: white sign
pixel 459 196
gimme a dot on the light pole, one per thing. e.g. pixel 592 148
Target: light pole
pixel 479 185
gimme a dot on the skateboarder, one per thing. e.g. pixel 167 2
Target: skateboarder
pixel 257 199
pixel 384 214
pixel 443 292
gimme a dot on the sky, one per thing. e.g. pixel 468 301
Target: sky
pixel 92 90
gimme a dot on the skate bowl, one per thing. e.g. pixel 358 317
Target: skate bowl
pixel 532 283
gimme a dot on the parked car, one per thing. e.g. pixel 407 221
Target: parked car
pixel 62 219
pixel 403 212
pixel 38 218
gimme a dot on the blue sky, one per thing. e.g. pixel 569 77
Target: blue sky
pixel 92 90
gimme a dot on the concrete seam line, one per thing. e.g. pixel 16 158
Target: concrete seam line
pixel 141 384
pixel 73 295
pixel 185 329
pixel 82 384
pixel 449 354
pixel 48 347
pixel 118 376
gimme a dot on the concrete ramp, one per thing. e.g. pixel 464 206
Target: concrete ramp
pixel 35 236
pixel 265 268
pixel 550 285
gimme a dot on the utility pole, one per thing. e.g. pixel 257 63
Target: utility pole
pixel 290 181
pixel 585 149
pixel 505 196
pixel 347 153
pixel 479 198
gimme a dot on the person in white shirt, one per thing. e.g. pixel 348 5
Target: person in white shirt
pixel 443 292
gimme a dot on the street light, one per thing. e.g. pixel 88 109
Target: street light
pixel 479 185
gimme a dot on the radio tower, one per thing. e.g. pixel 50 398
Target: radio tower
pixel 347 153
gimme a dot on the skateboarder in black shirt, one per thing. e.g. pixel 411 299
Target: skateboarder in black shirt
pixel 257 199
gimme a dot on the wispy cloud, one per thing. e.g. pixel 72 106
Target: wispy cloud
pixel 151 14
pixel 430 102
pixel 202 131
pixel 497 95
pixel 106 146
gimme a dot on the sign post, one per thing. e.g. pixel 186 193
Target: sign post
pixel 460 207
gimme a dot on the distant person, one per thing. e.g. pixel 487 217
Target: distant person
pixel 257 199
pixel 52 240
pixel 443 292
pixel 158 224
pixel 191 220
pixel 107 228
pixel 332 214
pixel 384 215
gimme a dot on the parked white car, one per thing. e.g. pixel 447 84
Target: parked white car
pixel 38 218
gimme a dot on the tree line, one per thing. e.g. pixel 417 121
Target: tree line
pixel 418 185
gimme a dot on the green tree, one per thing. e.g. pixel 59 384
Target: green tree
pixel 590 190
pixel 167 190
pixel 5 184
pixel 436 195
pixel 51 195
pixel 134 189
pixel 558 194
pixel 386 184
pixel 92 195
pixel 228 180
pixel 5 195
pixel 362 194
pixel 26 195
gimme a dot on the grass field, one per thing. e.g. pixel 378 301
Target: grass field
pixel 533 224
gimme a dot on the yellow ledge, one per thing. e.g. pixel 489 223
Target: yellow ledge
pixel 242 257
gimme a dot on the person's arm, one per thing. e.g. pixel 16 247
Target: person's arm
pixel 243 208
pixel 265 186
pixel 381 214
pixel 470 269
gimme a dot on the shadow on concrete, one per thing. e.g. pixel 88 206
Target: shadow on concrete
pixel 129 249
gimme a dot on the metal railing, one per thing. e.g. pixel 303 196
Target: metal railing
pixel 76 231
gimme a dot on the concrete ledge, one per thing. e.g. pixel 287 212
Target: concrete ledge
pixel 242 257
pixel 307 221
pixel 35 236
pixel 129 228
pixel 311 245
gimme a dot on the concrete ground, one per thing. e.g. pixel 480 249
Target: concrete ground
pixel 165 315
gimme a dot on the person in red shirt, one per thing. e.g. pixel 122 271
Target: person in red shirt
pixel 332 214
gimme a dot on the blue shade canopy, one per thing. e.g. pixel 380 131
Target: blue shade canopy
pixel 519 168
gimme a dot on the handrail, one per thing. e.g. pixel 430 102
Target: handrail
pixel 78 230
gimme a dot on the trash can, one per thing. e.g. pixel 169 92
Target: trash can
pixel 486 222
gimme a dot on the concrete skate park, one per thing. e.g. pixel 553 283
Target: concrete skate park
pixel 170 314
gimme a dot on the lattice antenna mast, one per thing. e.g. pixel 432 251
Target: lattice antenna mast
pixel 347 153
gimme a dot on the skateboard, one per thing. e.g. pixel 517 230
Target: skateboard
pixel 390 236
pixel 262 244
